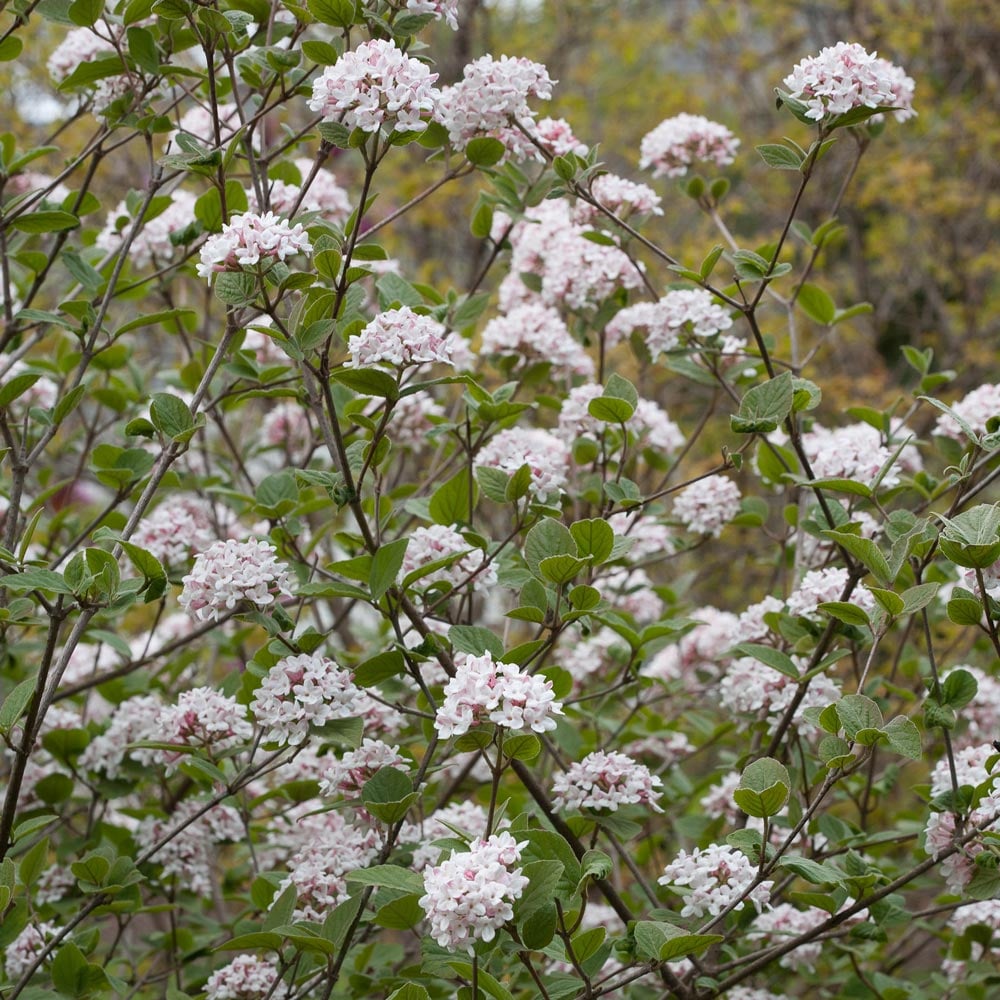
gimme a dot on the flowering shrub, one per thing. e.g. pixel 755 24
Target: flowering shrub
pixel 543 635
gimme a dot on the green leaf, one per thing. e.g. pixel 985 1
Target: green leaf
pixel 388 796
pixel 865 550
pixel 711 259
pixel 812 871
pixel 780 157
pixel 256 940
pixel 610 410
pixel 849 614
pixel 965 611
pixel 959 688
pixel 170 416
pixel 236 288
pixel 389 876
pixel 543 878
pixel 368 382
pixel 659 941
pixel 548 537
pixel 856 713
pixel 379 668
pixel 475 640
pixel 37 579
pixel 10 48
pixel 904 737
pixel 888 599
pixel 340 13
pixel 816 304
pixel 454 501
pixel 386 564
pixel 561 569
pixel 16 387
pixel 763 789
pixel 765 406
pixel 485 151
pixel 46 222
pixel 411 991
pixel 972 538
pixel 774 658
pixel 918 597
pixel 13 706
pixel 523 747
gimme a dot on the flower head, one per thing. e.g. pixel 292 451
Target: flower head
pixel 485 690
pixel 468 897
pixel 606 780
pixel 664 322
pixel 250 239
pixel 677 142
pixel 546 456
pixel 400 337
pixel 376 86
pixel 715 877
pixel 246 977
pixel 707 505
pixel 230 572
pixel 844 77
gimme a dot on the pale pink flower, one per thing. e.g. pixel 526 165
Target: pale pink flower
pixel 262 345
pixel 575 273
pixel 464 819
pixel 429 544
pixel 81 45
pixel 246 977
pixel 249 239
pixel 23 951
pixel 982 712
pixel 985 913
pixel 676 143
pixel 490 97
pixel 648 537
pixel 300 692
pixel 347 775
pixel 399 338
pixel 376 86
pixel 447 9
pixel 631 591
pixel 469 897
pixel 286 426
pixel 975 408
pixel 855 452
pixel 414 417
pixel 556 135
pixel 606 780
pixel 708 505
pixel 785 922
pixel 821 585
pixel 202 718
pixel 534 333
pixel 623 197
pixel 200 122
pixel 683 311
pixel 716 878
pixel 229 573
pixel 186 848
pixel 134 720
pixel 324 195
pixel 754 689
pixel 318 870
pixel 718 801
pixel 152 244
pixel 486 690
pixel 844 77
pixel 546 456
pixel 178 526
pixel 699 651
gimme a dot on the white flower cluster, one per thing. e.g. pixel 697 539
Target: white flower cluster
pixel 844 77
pixel 545 455
pixel 982 712
pixel 468 897
pixel 228 573
pixel 464 819
pixel 22 952
pixel 606 780
pixel 202 717
pixel 821 585
pixel 535 332
pixel 556 135
pixel 319 868
pixel 485 690
pixel 186 844
pixel 716 877
pixel 706 506
pixel 152 244
pixel 302 691
pixel 683 310
pixel 751 688
pixel 855 452
pixel 697 652
pixel 248 239
pixel 347 775
pixel 414 417
pixel 975 408
pixel 575 273
pixel 490 97
pixel 400 337
pixel 134 720
pixel 674 145
pixel 623 197
pixel 324 195
pixel 376 86
pixel 983 914
pixel 429 544
pixel 178 526
pixel 246 977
